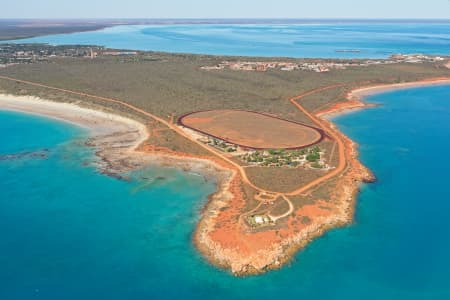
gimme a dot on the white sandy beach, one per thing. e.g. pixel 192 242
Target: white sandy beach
pixel 360 93
pixel 97 122
pixel 356 98
pixel 116 137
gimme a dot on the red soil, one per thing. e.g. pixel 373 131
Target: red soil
pixel 252 129
pixel 227 241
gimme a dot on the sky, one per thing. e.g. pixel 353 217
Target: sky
pixel 431 9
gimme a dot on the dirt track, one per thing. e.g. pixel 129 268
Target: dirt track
pixel 252 130
pixel 326 128
pixel 147 114
pixel 322 124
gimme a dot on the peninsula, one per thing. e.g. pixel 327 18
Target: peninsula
pixel 277 188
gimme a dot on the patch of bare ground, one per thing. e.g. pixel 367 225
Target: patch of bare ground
pixel 252 129
pixel 161 136
pixel 282 179
pixel 278 207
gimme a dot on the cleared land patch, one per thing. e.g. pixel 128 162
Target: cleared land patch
pixel 252 129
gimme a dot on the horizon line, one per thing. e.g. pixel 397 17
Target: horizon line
pixel 226 18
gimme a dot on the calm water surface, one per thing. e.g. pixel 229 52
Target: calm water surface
pixel 67 232
pixel 375 40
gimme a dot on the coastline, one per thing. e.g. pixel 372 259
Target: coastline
pixel 120 146
pixel 362 92
pixel 244 252
pixel 95 121
pixel 355 98
pixel 276 254
pixel 119 141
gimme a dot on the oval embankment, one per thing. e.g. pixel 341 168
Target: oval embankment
pixel 252 129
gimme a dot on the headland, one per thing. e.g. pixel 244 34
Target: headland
pixel 270 202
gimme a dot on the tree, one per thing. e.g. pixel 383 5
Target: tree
pixel 313 157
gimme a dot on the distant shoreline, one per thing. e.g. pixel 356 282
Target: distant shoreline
pixel 149 21
pixel 356 97
pixel 31 28
pixel 363 92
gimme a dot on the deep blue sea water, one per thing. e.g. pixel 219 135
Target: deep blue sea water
pixel 67 232
pixel 373 40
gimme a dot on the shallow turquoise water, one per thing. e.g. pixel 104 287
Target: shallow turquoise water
pixel 373 40
pixel 67 232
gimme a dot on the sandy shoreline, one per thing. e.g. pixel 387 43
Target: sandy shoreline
pixel 95 121
pixel 356 98
pixel 117 140
pixel 362 92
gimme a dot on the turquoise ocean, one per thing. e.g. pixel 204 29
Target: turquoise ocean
pixel 68 232
pixel 326 40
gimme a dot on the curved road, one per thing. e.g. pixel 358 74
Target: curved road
pixel 329 131
pixel 145 113
pixel 341 146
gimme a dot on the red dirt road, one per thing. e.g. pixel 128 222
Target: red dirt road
pixel 241 170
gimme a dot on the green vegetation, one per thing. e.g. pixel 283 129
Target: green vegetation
pixel 221 145
pixel 284 158
pixel 14 29
pixel 313 157
pixel 316 165
pixel 150 84
pixel 173 84
pixel 34 53
pixel 305 220
pixel 281 179
pixel 276 152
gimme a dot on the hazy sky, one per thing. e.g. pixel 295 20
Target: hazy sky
pixel 225 9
